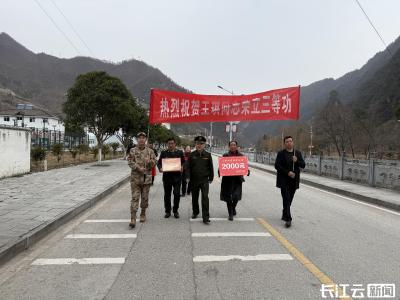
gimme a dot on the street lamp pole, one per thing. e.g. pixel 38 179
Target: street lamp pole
pixel 230 122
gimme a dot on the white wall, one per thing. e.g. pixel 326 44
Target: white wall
pixel 15 151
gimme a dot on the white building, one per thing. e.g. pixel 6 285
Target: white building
pixel 29 116
pixel 46 127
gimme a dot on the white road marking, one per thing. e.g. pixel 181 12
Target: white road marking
pixel 79 261
pixel 224 219
pixel 354 200
pixel 101 236
pixel 108 221
pixel 212 258
pixel 228 234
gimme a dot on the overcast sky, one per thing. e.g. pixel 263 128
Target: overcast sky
pixel 245 46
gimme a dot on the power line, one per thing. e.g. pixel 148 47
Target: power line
pixel 72 27
pixel 373 26
pixel 59 29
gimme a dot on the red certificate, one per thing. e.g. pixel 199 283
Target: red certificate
pixel 233 165
pixel 171 165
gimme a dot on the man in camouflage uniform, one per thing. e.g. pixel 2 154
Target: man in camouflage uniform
pixel 141 160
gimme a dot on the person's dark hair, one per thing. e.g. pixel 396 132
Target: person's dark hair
pixel 287 137
pixel 171 139
pixel 232 142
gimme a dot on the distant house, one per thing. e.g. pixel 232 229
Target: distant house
pixel 30 116
pixel 46 128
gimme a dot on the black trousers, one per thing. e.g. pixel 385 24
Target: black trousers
pixel 170 185
pixel 185 186
pixel 196 188
pixel 231 205
pixel 287 193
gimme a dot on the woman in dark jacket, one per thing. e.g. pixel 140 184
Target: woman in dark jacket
pixel 231 186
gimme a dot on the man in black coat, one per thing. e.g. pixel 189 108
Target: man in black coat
pixel 201 175
pixel 171 180
pixel 288 163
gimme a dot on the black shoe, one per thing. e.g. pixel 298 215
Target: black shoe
pixel 167 215
pixel 234 211
pixel 188 194
pixel 194 216
pixel 288 224
pixel 230 218
pixel 176 215
pixel 206 221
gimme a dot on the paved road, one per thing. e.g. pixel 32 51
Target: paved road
pixel 346 241
pixel 33 200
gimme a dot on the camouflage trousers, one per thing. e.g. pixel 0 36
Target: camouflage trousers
pixel 139 191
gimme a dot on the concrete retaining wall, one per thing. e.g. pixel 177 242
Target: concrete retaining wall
pixel 15 151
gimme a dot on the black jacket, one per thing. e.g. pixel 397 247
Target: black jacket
pixel 201 167
pixel 174 176
pixel 284 164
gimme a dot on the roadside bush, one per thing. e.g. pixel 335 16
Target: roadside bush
pixel 114 147
pixel 74 152
pixel 38 154
pixel 57 150
pixel 106 149
pixel 95 152
pixel 83 148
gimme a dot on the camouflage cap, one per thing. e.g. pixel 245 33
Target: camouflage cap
pixel 141 134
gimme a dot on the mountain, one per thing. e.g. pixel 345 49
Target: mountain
pixel 45 79
pixel 350 87
pixel 379 96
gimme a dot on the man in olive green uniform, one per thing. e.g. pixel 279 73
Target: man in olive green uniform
pixel 141 160
pixel 201 175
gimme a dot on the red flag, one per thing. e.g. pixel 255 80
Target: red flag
pixel 175 107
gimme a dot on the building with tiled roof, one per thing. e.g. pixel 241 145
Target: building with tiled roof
pixel 28 115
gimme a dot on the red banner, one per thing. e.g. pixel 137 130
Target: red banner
pixel 233 165
pixel 175 107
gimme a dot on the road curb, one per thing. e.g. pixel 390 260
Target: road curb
pixel 342 192
pixel 20 244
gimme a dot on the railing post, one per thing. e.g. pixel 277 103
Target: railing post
pixel 319 165
pixel 341 166
pixel 371 172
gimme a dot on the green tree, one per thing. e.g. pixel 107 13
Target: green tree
pixel 159 134
pixel 136 121
pixel 99 102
